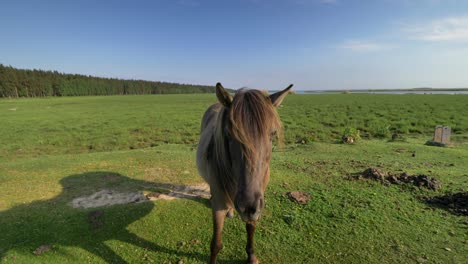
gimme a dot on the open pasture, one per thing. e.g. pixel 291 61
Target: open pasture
pixel 53 150
pixel 32 127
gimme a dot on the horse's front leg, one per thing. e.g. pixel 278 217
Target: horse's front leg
pixel 250 227
pixel 216 242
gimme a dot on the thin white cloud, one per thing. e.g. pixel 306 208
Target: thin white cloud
pixel 447 29
pixel 364 46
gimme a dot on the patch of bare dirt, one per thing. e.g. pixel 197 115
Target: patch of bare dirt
pixel 420 180
pixel 171 192
pixel 107 198
pixel 299 197
pixel 42 249
pixel 180 191
pixel 456 203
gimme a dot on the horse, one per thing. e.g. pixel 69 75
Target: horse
pixel 233 157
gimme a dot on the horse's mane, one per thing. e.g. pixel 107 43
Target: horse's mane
pixel 251 119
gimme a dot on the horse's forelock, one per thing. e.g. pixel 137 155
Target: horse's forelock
pixel 253 118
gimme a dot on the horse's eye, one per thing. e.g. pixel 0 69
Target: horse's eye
pixel 272 135
pixel 226 133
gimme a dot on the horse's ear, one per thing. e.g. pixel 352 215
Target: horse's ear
pixel 278 97
pixel 223 96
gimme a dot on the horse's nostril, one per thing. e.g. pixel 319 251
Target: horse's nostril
pixel 251 210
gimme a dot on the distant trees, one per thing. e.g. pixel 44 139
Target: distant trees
pixel 37 83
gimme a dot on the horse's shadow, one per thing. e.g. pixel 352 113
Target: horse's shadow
pixel 25 227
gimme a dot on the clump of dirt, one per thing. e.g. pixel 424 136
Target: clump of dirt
pixel 456 203
pixel 95 219
pixel 299 197
pixel 420 180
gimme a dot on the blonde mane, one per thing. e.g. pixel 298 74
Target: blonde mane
pixel 254 119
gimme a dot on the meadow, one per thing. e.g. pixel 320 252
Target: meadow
pixel 55 149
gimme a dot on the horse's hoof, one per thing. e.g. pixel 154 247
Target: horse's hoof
pixel 252 260
pixel 230 213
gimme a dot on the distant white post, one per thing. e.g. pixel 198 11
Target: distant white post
pixel 441 136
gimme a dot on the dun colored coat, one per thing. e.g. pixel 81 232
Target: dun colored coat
pixel 233 156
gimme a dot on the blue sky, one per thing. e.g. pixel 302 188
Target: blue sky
pixel 315 44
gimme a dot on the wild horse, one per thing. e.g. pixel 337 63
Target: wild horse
pixel 233 156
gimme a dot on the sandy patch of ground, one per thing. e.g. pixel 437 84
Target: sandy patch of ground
pixel 111 197
pixel 201 190
pixel 106 198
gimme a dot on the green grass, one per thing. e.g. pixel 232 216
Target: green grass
pixel 70 125
pixel 141 141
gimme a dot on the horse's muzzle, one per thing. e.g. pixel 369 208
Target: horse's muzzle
pixel 251 212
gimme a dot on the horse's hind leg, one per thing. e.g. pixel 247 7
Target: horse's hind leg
pixel 216 242
pixel 250 227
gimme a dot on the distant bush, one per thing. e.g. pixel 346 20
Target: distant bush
pixel 350 135
pixel 381 131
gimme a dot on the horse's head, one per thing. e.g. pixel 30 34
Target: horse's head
pixel 251 123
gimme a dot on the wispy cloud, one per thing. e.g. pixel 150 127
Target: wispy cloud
pixel 447 29
pixel 365 46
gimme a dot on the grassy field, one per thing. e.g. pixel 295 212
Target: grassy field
pixel 70 125
pixel 56 149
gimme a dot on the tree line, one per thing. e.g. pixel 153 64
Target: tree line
pixel 38 83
